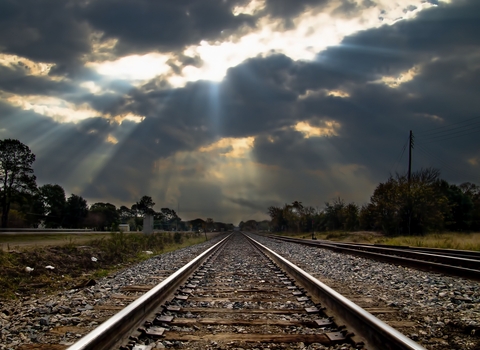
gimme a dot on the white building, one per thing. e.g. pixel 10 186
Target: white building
pixel 124 227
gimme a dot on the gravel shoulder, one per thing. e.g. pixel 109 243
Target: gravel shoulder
pixel 446 309
pixel 56 321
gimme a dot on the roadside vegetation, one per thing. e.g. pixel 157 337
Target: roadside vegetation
pixel 400 206
pixel 19 241
pixel 76 266
pixel 68 261
pixel 25 205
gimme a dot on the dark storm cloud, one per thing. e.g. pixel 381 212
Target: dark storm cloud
pixel 60 31
pixel 71 146
pixel 241 105
pixel 261 97
pixel 26 126
pixel 288 9
pixel 59 147
pixel 164 25
pixel 254 98
pixel 265 97
pixel 436 32
pixel 255 205
pixel 197 194
pixel 152 139
pixel 350 8
pixel 181 61
pixel 43 30
pixel 375 119
pixel 17 80
pixel 290 149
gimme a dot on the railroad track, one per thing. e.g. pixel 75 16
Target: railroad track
pixel 459 263
pixel 240 293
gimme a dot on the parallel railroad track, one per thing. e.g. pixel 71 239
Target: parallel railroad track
pixel 240 293
pixel 459 263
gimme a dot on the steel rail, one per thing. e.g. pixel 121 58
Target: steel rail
pixel 467 254
pixel 375 333
pixel 443 264
pixel 471 254
pixel 427 255
pixel 114 330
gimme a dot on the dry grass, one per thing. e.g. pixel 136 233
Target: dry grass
pixel 73 263
pixel 450 240
pixel 26 240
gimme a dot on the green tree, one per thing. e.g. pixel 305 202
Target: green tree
pixel 350 217
pixel 249 225
pixel 295 217
pixel 298 215
pixel 473 192
pixel 308 220
pixel 103 216
pixel 33 208
pixel 415 206
pixel 76 210
pixel 197 224
pixel 145 206
pixel 124 214
pixel 16 173
pixel 334 214
pixel 277 218
pixel 170 217
pixel 366 217
pixel 209 224
pixel 385 206
pixel 54 202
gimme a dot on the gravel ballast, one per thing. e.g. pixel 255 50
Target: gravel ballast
pixel 64 317
pixel 445 308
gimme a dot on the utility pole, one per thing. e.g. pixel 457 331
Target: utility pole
pixel 178 209
pixel 410 156
pixel 409 177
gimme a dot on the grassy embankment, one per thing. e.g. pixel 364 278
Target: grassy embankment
pixel 446 240
pixel 72 258
pixel 19 241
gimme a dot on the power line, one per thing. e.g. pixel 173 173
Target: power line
pixel 458 129
pixel 410 147
pixel 453 135
pixel 399 159
pixel 431 155
pixel 431 131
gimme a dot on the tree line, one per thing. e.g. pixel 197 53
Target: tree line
pixel 24 204
pixel 422 204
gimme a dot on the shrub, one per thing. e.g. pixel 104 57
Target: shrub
pixel 178 238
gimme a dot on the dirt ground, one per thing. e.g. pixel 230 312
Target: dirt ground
pixel 76 258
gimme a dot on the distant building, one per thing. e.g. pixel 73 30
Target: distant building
pixel 124 227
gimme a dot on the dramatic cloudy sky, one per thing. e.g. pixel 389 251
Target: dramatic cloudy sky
pixel 228 106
